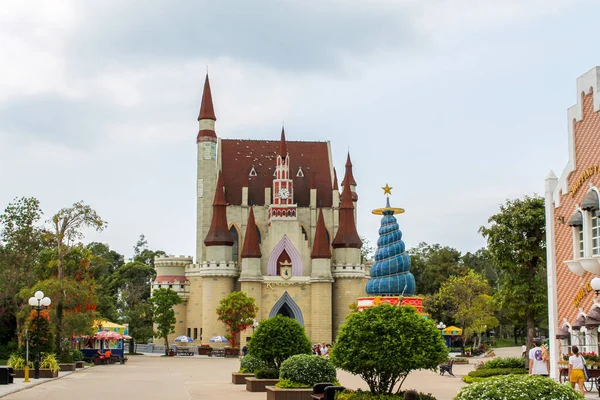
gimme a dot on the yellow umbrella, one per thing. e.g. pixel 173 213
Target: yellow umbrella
pixel 103 324
pixel 452 331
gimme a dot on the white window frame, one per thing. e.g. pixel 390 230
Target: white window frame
pixel 580 242
pixel 595 234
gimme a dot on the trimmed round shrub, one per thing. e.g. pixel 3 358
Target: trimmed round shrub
pixel 487 372
pixel 383 344
pixel 278 338
pixel 361 395
pixel 267 373
pixel 517 387
pixel 305 370
pixel 504 362
pixel 249 364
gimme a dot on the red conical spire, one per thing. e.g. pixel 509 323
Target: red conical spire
pixel 348 175
pixel 207 110
pixel 251 246
pixel 335 181
pixel 346 236
pixel 320 246
pixel 218 234
pixel 283 150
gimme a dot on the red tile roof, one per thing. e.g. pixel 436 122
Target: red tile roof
pixel 218 234
pixel 251 247
pixel 207 110
pixel 239 156
pixel 346 236
pixel 320 245
pixel 170 278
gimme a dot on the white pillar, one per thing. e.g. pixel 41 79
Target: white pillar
pixel 551 182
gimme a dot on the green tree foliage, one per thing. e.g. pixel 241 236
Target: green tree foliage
pixel 133 281
pixel 468 300
pixel 163 301
pixel 40 330
pixel 433 264
pixel 367 250
pixel 304 370
pixel 142 254
pixel 516 241
pixel 67 227
pixel 237 311
pixel 21 242
pixel 383 344
pixel 278 338
pixel 103 264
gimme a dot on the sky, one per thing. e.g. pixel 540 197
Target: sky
pixel 456 104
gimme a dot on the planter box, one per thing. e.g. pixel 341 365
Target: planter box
pixel 67 367
pixel 237 378
pixel 44 373
pixel 79 364
pixel 275 393
pixel 259 385
pixel 204 351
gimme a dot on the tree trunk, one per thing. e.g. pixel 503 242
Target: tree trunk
pixel 131 346
pixel 530 329
pixel 166 346
pixel 515 334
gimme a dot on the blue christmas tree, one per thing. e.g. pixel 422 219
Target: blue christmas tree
pixel 390 274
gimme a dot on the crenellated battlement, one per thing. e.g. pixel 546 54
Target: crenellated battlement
pixel 177 283
pixel 348 271
pixel 213 268
pixel 169 260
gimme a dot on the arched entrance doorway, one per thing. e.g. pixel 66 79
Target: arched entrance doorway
pixel 287 307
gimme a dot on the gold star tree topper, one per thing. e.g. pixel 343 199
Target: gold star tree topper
pixel 387 189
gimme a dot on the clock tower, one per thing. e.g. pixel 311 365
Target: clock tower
pixel 282 208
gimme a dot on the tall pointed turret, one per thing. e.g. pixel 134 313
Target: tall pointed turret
pixel 335 180
pixel 346 236
pixel 218 234
pixel 349 177
pixel 320 245
pixel 251 246
pixel 207 118
pixel 283 150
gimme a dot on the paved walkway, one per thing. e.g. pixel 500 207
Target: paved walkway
pixel 200 377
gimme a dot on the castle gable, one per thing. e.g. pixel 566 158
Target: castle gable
pixel 239 157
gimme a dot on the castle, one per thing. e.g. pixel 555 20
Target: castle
pixel 270 222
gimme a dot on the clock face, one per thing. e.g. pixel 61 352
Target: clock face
pixel 284 193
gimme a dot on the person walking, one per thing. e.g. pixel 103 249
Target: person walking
pixel 576 374
pixel 537 364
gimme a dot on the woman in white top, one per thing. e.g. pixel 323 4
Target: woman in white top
pixel 576 374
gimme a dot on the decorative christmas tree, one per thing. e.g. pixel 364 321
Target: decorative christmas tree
pixel 390 274
pixel 391 281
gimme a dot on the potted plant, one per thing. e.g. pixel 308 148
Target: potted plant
pixel 204 350
pixel 78 358
pixel 17 363
pixel 66 361
pixel 49 366
pixel 248 367
pixel 298 375
pixel 263 378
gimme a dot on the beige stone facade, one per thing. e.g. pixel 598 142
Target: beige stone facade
pixel 286 192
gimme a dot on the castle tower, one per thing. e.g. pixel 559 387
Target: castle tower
pixel 347 271
pixel 321 280
pixel 170 273
pixel 207 168
pixel 349 177
pixel 251 276
pixel 219 271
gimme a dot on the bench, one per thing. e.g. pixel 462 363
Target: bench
pixel 447 367
pixel 185 352
pixel 7 375
pixel 115 358
pixel 325 391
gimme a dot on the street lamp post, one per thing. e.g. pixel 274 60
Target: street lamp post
pixel 254 326
pixel 38 302
pixel 441 326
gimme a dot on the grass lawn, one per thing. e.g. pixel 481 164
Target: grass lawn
pixel 505 343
